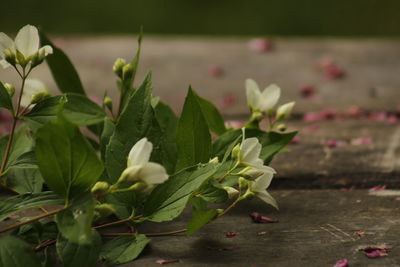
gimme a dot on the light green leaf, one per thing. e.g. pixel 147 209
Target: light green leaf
pixel 75 222
pixel 77 108
pixel 108 130
pixel 68 163
pixel 214 119
pixel 73 254
pixel 62 69
pixel 199 219
pixel 212 194
pixel 24 180
pixel 14 252
pixel 136 121
pixel 169 199
pixel 194 144
pixel 5 99
pixel 15 204
pixel 123 249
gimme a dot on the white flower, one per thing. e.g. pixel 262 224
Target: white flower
pixel 33 88
pixel 249 155
pixel 261 101
pixel 26 42
pixel 284 111
pixel 139 167
pixel 259 188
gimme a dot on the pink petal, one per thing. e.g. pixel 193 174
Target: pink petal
pixel 307 91
pixel 376 254
pixel 361 141
pixel 260 45
pixel 230 234
pixel 342 263
pixel 295 140
pixel 377 188
pixel 215 71
pixel 166 261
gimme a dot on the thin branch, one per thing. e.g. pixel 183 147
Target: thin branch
pixel 146 234
pixel 117 222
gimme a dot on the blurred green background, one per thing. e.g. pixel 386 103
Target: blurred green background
pixel 361 18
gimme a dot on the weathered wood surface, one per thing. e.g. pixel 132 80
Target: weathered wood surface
pixel 371 66
pixel 312 164
pixel 315 228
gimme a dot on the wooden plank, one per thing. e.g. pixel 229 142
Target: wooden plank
pixel 313 164
pixel 372 79
pixel 315 228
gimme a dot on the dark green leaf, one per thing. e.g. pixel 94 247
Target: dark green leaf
pixel 62 69
pixel 108 130
pixel 85 255
pixel 168 122
pixel 123 249
pixel 194 144
pixel 123 203
pixel 199 219
pixel 214 119
pixel 78 109
pixel 5 99
pixel 212 194
pixel 24 180
pixel 68 163
pixel 15 204
pixel 15 253
pixel 75 222
pixel 136 121
pixel 37 232
pixel 26 160
pixel 169 199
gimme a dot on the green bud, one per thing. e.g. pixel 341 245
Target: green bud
pixel 236 152
pixel 36 59
pixel 118 66
pixel 281 127
pixel 107 101
pixel 214 160
pixel 243 183
pixel 231 191
pixel 104 209
pixel 251 173
pixel 248 194
pixel 10 57
pixel 100 188
pixel 36 98
pixel 127 72
pixel 10 89
pixel 21 60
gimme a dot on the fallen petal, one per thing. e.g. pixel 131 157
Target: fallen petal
pixel 376 254
pixel 166 261
pixel 342 263
pixel 230 234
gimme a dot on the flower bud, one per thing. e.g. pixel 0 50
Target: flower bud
pixel 36 98
pixel 118 66
pixel 36 59
pixel 127 72
pixel 10 57
pixel 284 111
pixel 243 183
pixel 231 191
pixel 251 173
pixel 100 188
pixel 130 175
pixel 236 152
pixel 104 209
pixel 214 160
pixel 107 101
pixel 21 59
pixel 281 127
pixel 10 89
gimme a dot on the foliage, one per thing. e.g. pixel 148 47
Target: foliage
pixel 141 162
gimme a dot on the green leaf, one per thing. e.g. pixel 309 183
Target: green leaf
pixel 168 122
pixel 73 254
pixel 26 160
pixel 123 249
pixel 22 143
pixel 37 232
pixel 62 69
pixel 15 204
pixel 123 203
pixel 24 180
pixel 75 222
pixel 136 121
pixel 169 199
pixel 108 130
pixel 5 99
pixel 78 109
pixel 212 194
pixel 14 252
pixel 68 163
pixel 194 144
pixel 199 219
pixel 214 119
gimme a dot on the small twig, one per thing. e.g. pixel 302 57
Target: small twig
pixel 11 227
pixel 146 234
pixel 45 244
pixel 117 222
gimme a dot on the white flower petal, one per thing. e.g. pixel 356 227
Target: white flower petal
pixel 140 152
pixel 153 173
pixel 252 93
pixel 27 40
pixel 269 97
pixel 267 198
pixel 5 43
pixel 4 64
pixel 250 151
pixel 131 174
pixel 262 182
pixel 32 87
pixel 46 50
